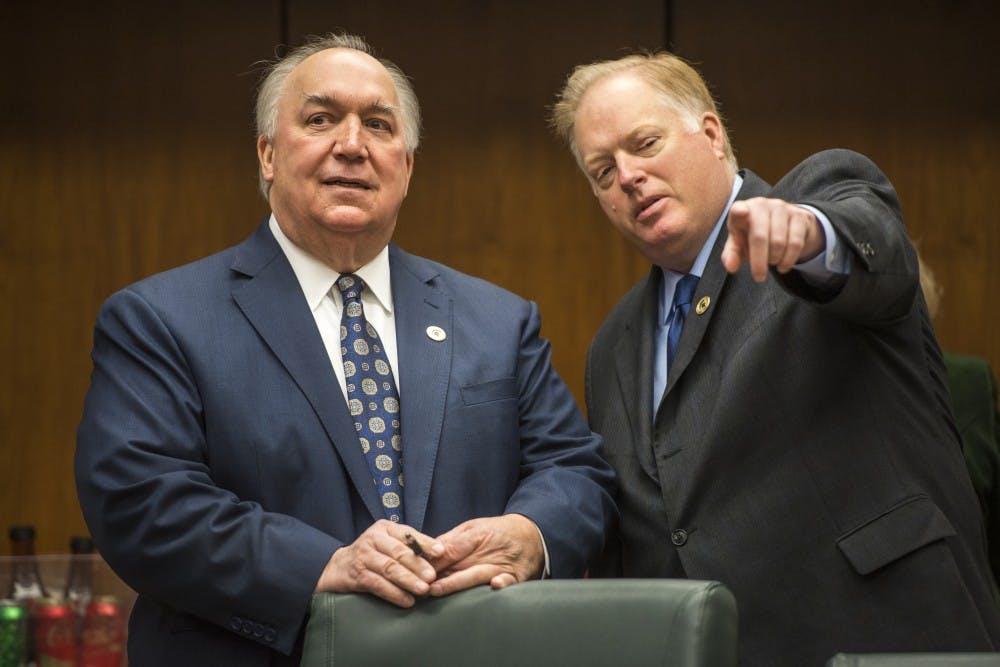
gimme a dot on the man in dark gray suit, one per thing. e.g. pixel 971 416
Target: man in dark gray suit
pixel 785 428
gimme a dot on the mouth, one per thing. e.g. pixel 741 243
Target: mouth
pixel 352 183
pixel 647 206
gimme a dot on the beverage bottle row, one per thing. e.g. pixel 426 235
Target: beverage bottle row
pixel 42 626
pixel 25 580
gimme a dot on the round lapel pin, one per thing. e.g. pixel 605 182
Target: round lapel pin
pixel 436 333
pixel 703 304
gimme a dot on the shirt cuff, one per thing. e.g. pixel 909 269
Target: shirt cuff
pixel 830 266
pixel 546 573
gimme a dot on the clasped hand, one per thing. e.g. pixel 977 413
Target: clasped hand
pixel 500 550
pixel 770 232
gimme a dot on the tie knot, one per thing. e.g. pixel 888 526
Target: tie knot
pixel 350 287
pixel 684 291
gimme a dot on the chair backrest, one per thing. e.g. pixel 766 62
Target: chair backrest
pixel 915 660
pixel 599 622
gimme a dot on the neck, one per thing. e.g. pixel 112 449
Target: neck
pixel 344 253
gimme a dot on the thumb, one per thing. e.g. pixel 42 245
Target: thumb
pixel 503 580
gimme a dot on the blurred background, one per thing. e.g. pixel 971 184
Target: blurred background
pixel 127 147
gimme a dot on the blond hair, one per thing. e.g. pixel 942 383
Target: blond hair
pixel 683 91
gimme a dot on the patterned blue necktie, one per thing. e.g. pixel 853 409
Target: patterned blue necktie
pixel 683 294
pixel 372 397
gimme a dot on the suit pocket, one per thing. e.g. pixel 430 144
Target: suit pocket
pixel 912 524
pixel 494 390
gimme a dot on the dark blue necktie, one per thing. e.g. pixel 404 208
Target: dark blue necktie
pixel 683 294
pixel 372 398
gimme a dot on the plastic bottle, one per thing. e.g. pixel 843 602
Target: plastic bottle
pixel 80 579
pixel 25 581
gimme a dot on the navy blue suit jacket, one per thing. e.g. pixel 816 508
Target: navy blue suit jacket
pixel 218 468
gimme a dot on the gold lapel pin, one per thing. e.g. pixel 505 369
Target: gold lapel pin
pixel 436 333
pixel 703 304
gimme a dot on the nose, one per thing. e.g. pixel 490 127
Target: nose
pixel 349 142
pixel 630 173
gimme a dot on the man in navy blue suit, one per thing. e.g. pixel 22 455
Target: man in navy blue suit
pixel 226 464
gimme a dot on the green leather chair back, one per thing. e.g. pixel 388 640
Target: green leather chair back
pixel 915 660
pixel 599 622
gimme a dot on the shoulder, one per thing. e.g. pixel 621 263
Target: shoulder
pixel 198 290
pixel 966 364
pixel 456 285
pixel 830 172
pixel 836 159
pixel 210 277
pixel 193 281
pixel 966 371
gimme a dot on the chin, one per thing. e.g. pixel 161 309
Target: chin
pixel 345 218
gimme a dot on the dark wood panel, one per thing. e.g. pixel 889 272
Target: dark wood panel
pixel 127 148
pixel 912 85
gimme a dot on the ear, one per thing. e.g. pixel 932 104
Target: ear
pixel 711 127
pixel 265 155
pixel 409 172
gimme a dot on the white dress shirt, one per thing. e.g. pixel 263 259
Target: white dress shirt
pixel 318 283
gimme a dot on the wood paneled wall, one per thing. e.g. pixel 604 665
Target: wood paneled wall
pixel 911 85
pixel 126 147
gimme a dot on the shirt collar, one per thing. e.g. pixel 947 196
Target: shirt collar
pixel 671 278
pixel 317 279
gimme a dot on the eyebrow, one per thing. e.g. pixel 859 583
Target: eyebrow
pixel 332 102
pixel 631 137
pixel 591 161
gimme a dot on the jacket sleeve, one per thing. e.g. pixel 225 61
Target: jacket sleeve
pixel 145 485
pixel 864 210
pixel 566 486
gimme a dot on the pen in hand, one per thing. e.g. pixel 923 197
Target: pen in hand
pixel 413 544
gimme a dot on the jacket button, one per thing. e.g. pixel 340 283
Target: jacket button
pixel 236 623
pixel 679 537
pixel 247 628
pixel 269 635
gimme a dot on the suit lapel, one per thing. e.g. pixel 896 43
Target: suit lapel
pixel 634 363
pixel 272 301
pixel 709 292
pixel 424 372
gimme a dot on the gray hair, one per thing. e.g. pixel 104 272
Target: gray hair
pixel 273 84
pixel 681 87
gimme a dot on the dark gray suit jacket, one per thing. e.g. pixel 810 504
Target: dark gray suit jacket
pixel 804 452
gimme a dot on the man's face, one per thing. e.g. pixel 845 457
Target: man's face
pixel 660 182
pixel 337 163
